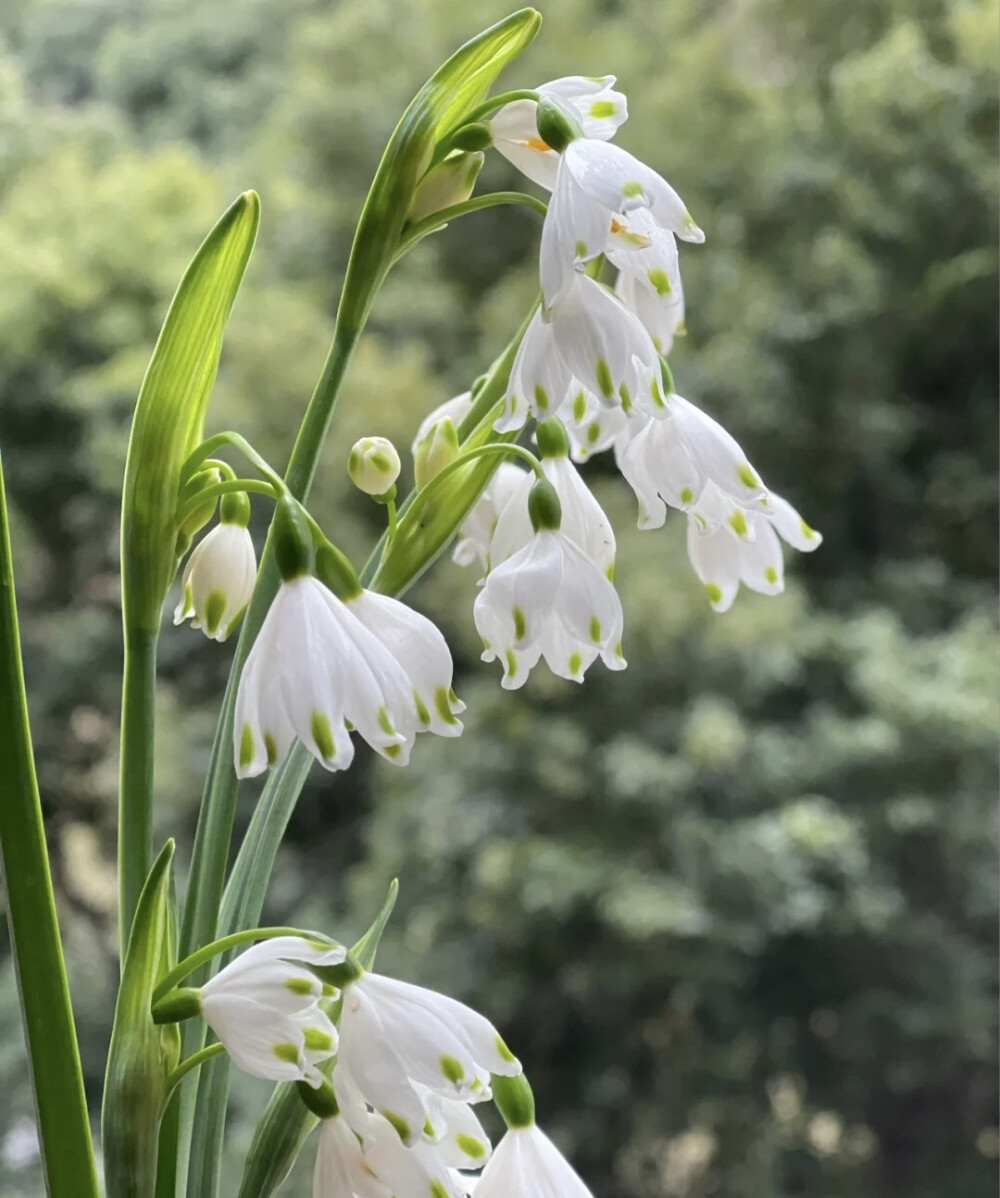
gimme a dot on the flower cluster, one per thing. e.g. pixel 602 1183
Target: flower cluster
pixel 395 1084
pixel 331 658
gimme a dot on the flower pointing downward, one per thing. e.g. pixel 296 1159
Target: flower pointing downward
pixel 219 577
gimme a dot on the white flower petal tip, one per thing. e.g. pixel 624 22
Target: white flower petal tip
pixel 549 599
pixel 400 1043
pixel 420 648
pixel 476 533
pixel 264 1007
pixel 314 669
pixel 456 409
pixel 218 581
pixel 527 1162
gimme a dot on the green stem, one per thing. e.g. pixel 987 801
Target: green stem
pixel 135 802
pixel 192 1062
pixel 252 485
pixel 390 511
pixel 235 940
pixel 437 220
pixel 63 1126
pixel 494 103
pixel 196 459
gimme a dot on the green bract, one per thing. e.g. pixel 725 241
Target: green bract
pixel 170 411
pixel 141 1055
pixel 451 93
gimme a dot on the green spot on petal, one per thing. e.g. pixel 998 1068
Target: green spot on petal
pixel 520 624
pixel 714 592
pixel 581 249
pixel 594 432
pixel 575 662
pixel 541 398
pixel 738 523
pixel 632 189
pixel 511 659
pixel 423 715
pixel 771 574
pixel 472 1147
pixel 687 495
pixel 299 985
pixel 660 281
pixel 215 609
pixel 604 379
pixel 601 109
pixel 288 1053
pixel 384 722
pixel 806 531
pixel 271 748
pixel 399 1123
pixel 623 391
pixel 322 734
pixel 747 477
pixel 246 746
pixel 392 751
pixel 452 1068
pixel 438 1190
pixel 317 1041
pixel 443 706
pixel 595 630
pixel 579 407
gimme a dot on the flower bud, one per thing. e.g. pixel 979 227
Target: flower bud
pixel 450 182
pixel 477 136
pixel 201 516
pixel 435 450
pixel 373 465
pixel 557 124
pixel 544 507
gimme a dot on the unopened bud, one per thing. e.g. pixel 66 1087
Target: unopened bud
pixel 373 465
pixel 450 182
pixel 544 507
pixel 477 136
pixel 435 450
pixel 200 516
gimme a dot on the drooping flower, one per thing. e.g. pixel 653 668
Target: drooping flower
pixel 419 647
pixel 594 103
pixel 583 519
pixel 592 342
pixel 548 599
pixel 399 1041
pixel 476 533
pixel 218 581
pixel 313 668
pixel 527 1162
pixel 590 426
pixel 365 1158
pixel 671 458
pixel 662 316
pixel 264 1007
pixel 729 545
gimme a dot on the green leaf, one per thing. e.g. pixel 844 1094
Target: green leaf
pixel 286 1123
pixel 170 411
pixel 451 92
pixel 142 1054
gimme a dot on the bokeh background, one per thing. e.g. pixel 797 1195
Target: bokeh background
pixel 736 907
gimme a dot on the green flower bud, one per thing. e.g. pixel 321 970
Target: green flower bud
pixel 450 182
pixel 198 519
pixel 557 126
pixel 435 450
pixel 321 1101
pixel 235 509
pixel 373 465
pixel 544 507
pixel 473 137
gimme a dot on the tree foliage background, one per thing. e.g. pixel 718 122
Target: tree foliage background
pixel 736 907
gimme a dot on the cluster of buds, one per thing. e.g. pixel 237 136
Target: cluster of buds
pixel 394 1072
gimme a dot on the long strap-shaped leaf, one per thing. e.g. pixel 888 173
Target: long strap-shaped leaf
pixel 54 1056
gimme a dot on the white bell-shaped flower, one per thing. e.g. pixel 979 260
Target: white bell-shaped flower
pixel 593 342
pixel 549 599
pixel 420 648
pixel 599 109
pixel 671 458
pixel 218 581
pixel 583 519
pixel 526 1162
pixel 264 1007
pixel 590 426
pixel 476 533
pixel 728 545
pixel 313 668
pixel 365 1158
pixel 455 1131
pixel 662 316
pixel 399 1041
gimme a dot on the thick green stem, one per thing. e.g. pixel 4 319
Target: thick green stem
pixel 63 1126
pixel 135 795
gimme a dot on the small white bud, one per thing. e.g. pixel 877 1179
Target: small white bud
pixel 373 465
pixel 436 449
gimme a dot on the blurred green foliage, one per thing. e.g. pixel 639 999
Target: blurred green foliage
pixel 736 907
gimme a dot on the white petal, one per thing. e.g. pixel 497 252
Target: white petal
pixel 456 408
pixel 512 530
pixel 575 230
pixel 761 562
pixel 716 453
pixel 583 519
pixel 620 182
pixel 600 109
pixel 588 605
pixel 662 317
pixel 715 557
pixel 658 468
pixel 590 425
pixel 526 1162
pixel 477 531
pixel 790 525
pixel 539 379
